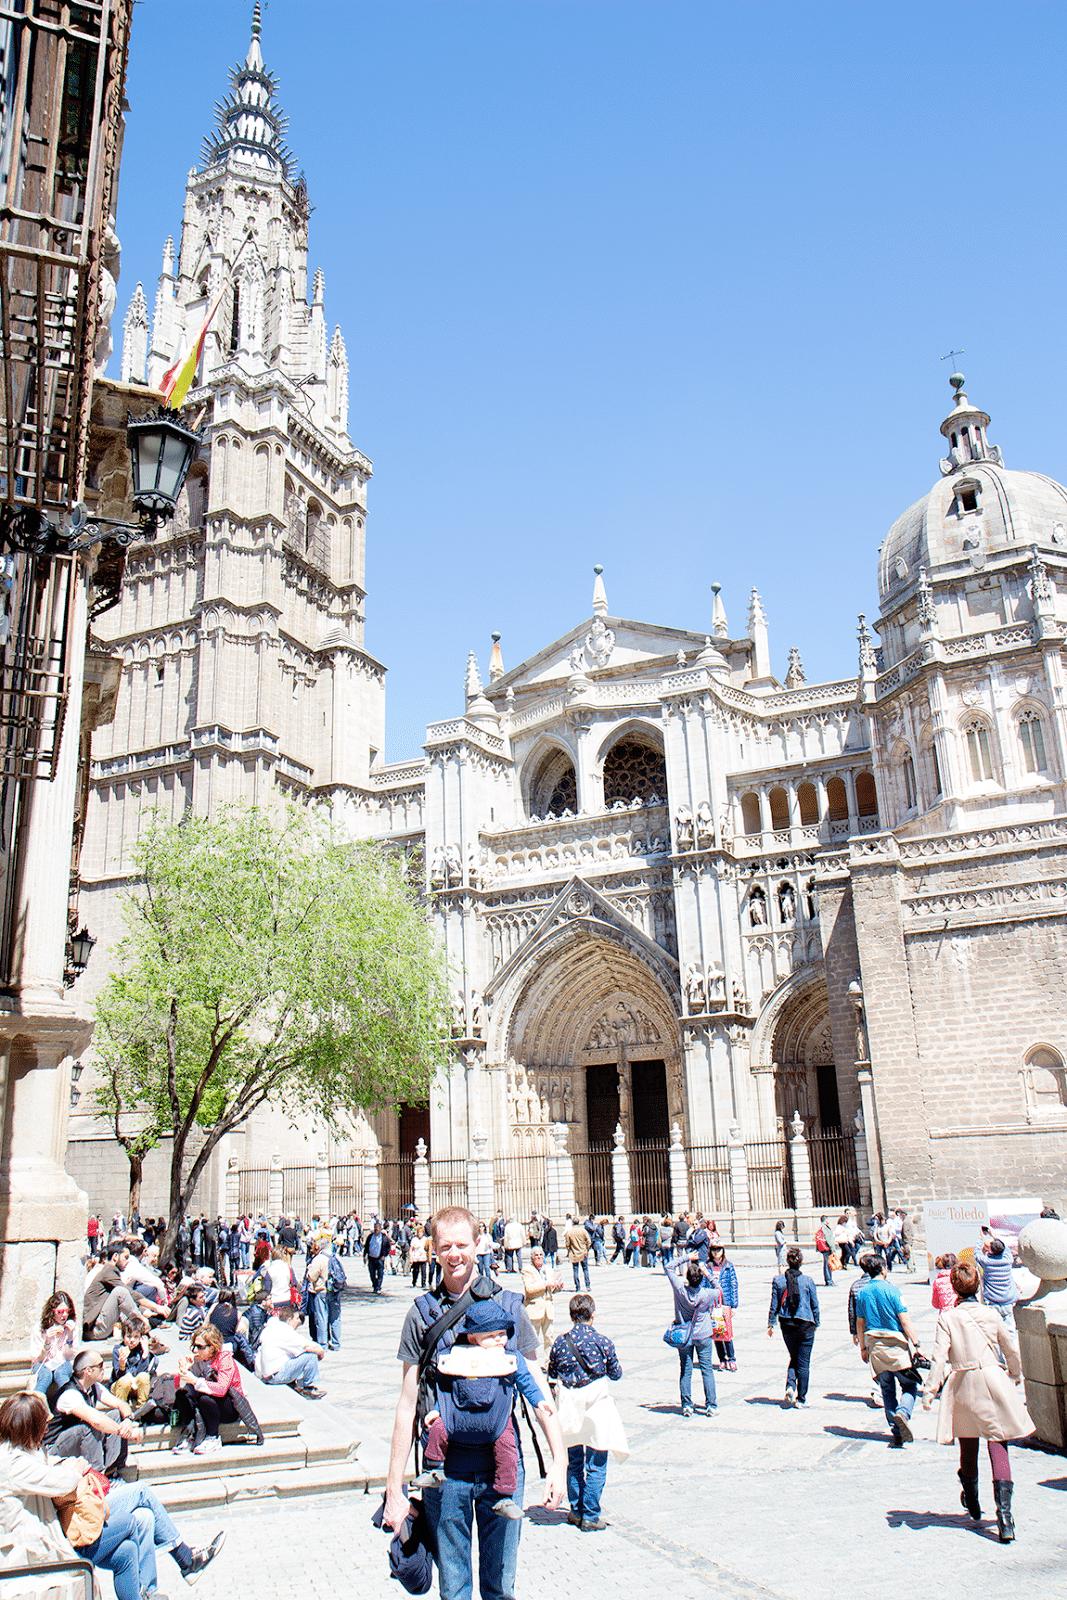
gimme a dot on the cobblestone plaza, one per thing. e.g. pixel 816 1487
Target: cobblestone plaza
pixel 759 1501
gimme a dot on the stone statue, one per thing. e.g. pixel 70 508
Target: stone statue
pixel 459 1014
pixel 757 914
pixel 476 1014
pixel 739 995
pixel 437 868
pixel 453 866
pixel 694 988
pixel 683 820
pixel 716 986
pixel 787 904
pixel 577 662
pixel 473 875
pixel 705 826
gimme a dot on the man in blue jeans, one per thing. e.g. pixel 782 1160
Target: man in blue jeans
pixel 286 1356
pixel 887 1336
pixel 375 1251
pixel 156 1531
pixel 467 1495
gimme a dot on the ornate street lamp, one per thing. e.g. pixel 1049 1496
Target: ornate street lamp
pixel 79 949
pixel 161 449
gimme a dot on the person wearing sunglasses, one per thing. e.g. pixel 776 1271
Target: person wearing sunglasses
pixel 89 1421
pixel 208 1392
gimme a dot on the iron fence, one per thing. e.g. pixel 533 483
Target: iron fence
pixel 346 1190
pixel 709 1178
pixel 770 1177
pixel 252 1190
pixel 834 1179
pixel 396 1187
pixel 650 1177
pixel 594 1183
pixel 298 1192
pixel 520 1186
pixel 448 1184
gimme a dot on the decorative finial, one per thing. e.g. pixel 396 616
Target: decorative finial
pixel 600 597
pixel 957 379
pixel 474 682
pixel 496 660
pixel 256 27
pixel 718 614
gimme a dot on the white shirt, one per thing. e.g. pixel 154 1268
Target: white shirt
pixel 514 1238
pixel 279 1343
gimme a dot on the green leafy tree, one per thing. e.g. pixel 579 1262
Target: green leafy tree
pixel 264 959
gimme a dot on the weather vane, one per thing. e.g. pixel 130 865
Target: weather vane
pixel 952 355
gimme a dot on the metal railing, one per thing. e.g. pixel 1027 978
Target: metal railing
pixel 520 1186
pixel 834 1179
pixel 298 1192
pixel 85 1568
pixel 594 1182
pixel 253 1188
pixel 650 1177
pixel 448 1184
pixel 770 1177
pixel 346 1190
pixel 396 1187
pixel 710 1189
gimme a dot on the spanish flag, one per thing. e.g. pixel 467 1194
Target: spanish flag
pixel 178 379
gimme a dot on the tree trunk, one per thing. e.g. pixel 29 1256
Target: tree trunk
pixel 136 1160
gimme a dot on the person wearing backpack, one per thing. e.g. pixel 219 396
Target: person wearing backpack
pixel 466 1497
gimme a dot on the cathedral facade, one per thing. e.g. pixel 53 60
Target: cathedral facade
pixel 690 908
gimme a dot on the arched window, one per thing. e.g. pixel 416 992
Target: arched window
pixel 634 771
pixel 935 765
pixel 1045 1078
pixel 1032 739
pixel 235 319
pixel 779 810
pixel 836 800
pixel 977 736
pixel 750 814
pixel 866 795
pixel 262 462
pixel 907 768
pixel 808 801
pixel 554 789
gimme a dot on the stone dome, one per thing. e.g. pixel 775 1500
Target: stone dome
pixel 979 509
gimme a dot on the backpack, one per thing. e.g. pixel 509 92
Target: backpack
pixel 336 1278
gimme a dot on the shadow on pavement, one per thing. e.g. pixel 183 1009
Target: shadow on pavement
pixel 855 1433
pixel 545 1518
pixel 765 1400
pixel 1053 1483
pixel 849 1399
pixel 939 1519
pixel 662 1408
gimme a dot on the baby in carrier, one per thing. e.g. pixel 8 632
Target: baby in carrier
pixel 475 1387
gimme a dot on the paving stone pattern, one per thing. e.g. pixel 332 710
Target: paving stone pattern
pixel 758 1501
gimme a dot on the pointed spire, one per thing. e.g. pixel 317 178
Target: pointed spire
pixel 496 661
pixel 868 659
pixel 474 682
pixel 718 614
pixel 600 598
pixel 135 339
pixel 168 257
pixel 480 711
pixel 318 292
pixel 757 632
pixel 794 677
pixel 249 122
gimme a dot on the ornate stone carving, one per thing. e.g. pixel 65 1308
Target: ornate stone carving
pixel 600 642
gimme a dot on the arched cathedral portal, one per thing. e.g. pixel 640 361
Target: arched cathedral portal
pixel 593 1042
pixel 805 1077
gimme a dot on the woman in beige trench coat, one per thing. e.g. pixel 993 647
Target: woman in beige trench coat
pixel 979 1400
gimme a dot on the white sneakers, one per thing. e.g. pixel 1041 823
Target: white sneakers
pixel 208 1446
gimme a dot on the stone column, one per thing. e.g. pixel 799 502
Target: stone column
pixel 863 1169
pixel 560 1175
pixel 800 1162
pixel 274 1189
pixel 371 1194
pixel 763 1072
pixel 853 804
pixel 480 1178
pixel 739 1192
pixel 322 1184
pixel 1042 1325
pixel 620 1173
pixel 233 1188
pixel 679 1173
pixel 874 1149
pixel 422 1182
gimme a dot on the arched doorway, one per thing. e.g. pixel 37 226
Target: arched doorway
pixel 593 1042
pixel 803 1055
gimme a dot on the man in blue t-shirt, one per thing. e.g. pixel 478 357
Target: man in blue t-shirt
pixel 885 1332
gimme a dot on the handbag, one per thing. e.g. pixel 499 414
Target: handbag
pixel 835 1261
pixel 83 1512
pixel 678 1335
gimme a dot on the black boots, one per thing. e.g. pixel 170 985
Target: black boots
pixel 969 1497
pixel 1002 1488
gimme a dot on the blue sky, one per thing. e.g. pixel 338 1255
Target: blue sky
pixel 659 285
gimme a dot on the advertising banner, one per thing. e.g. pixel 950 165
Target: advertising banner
pixel 961 1225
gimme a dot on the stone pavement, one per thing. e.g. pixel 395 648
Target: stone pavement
pixel 759 1501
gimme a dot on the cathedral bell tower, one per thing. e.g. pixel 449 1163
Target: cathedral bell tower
pixel 241 627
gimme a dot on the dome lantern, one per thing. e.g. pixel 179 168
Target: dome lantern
pixel 965 429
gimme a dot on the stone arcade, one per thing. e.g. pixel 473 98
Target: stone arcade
pixel 717 938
